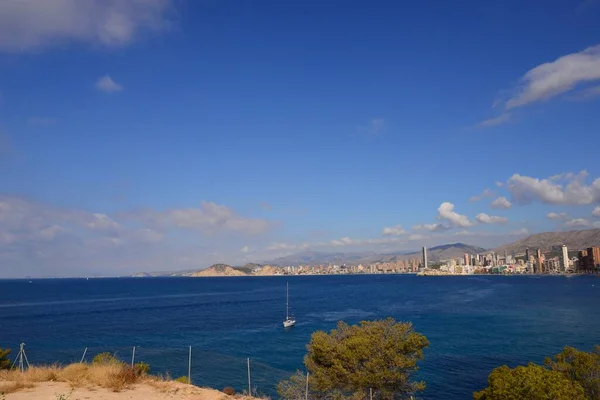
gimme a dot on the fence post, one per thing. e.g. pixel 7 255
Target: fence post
pixel 306 394
pixel 190 367
pixel 249 382
pixel 133 357
pixel 83 356
pixel 371 393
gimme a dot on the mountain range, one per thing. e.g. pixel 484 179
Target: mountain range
pixel 574 240
pixel 433 254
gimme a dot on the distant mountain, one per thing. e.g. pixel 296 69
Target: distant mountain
pixel 436 253
pixel 447 251
pixel 319 257
pixel 219 270
pixel 574 240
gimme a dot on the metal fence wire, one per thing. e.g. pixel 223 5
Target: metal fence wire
pixel 204 367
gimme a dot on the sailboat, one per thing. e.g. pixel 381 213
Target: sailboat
pixel 289 321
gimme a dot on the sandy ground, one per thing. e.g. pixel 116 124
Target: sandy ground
pixel 144 391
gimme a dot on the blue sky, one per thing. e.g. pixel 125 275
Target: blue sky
pixel 156 134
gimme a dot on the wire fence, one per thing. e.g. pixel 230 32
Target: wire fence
pixel 206 368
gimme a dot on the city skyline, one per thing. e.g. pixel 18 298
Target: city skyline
pixel 170 135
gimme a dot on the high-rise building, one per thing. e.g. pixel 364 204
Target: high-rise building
pixel 565 258
pixel 527 254
pixel 589 260
pixel 540 262
pixel 424 257
pixel 467 259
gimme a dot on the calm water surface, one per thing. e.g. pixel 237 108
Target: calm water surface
pixel 473 323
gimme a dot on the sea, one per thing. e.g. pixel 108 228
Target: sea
pixel 473 323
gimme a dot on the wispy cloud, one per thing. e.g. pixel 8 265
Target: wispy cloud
pixel 486 193
pixel 210 218
pixel 557 77
pixel 490 219
pixel 520 232
pixel 578 223
pixel 41 121
pixel 501 202
pixel 586 94
pixel 431 227
pixel 107 85
pixel 374 127
pixel 33 24
pixel 596 212
pixel 557 216
pixel 393 231
pixel 499 120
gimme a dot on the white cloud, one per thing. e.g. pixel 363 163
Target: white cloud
pixel 574 191
pixel 287 246
pixel 501 119
pixel 596 212
pixel 489 219
pixel 578 223
pixel 486 193
pixel 446 211
pixel 245 249
pixel 431 227
pixel 556 216
pixel 107 85
pixel 35 24
pixel 499 184
pixel 501 202
pixel 560 76
pixel 393 231
pixel 209 218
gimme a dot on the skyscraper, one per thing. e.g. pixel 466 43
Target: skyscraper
pixel 527 254
pixel 565 258
pixel 424 257
pixel 467 259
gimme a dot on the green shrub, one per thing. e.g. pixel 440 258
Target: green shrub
pixel 532 382
pixel 106 358
pixel 229 391
pixel 579 366
pixel 4 359
pixel 182 379
pixel 351 360
pixel 141 368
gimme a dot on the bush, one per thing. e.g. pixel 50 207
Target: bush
pixel 229 391
pixel 182 379
pixel 141 368
pixel 4 359
pixel 380 355
pixel 105 358
pixel 532 382
pixel 579 366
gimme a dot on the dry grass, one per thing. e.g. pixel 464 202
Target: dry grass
pixel 115 377
pixel 10 387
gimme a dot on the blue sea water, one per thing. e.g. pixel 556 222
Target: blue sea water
pixel 473 323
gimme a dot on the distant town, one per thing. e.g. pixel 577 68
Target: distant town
pixel 557 261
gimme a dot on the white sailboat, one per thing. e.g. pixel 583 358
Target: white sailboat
pixel 289 321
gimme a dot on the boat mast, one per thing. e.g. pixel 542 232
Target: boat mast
pixel 287 300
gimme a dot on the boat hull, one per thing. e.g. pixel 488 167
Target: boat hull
pixel 289 323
